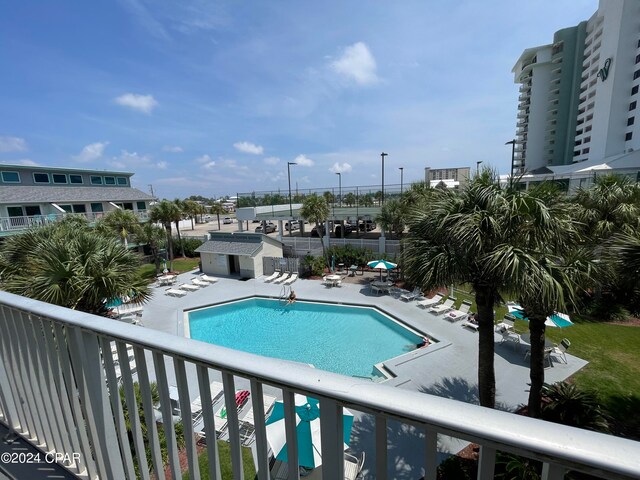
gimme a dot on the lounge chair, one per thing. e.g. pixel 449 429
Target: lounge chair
pixel 411 295
pixel 209 279
pixel 173 292
pixel 462 312
pixel 282 278
pixel 220 418
pixel 273 276
pixel 352 466
pixel 560 350
pixel 247 423
pixel 291 279
pixel 196 406
pixel 509 336
pixel 430 302
pixel 190 288
pixel 444 307
pixel 506 324
pixel 200 283
pixel 471 325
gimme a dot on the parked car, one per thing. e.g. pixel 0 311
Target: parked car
pixel 342 231
pixel 268 228
pixel 295 225
pixel 367 225
pixel 315 230
pixel 227 220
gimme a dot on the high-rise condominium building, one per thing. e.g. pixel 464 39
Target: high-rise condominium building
pixel 579 95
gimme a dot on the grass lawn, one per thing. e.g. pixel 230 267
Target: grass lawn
pixel 180 265
pixel 613 373
pixel 224 450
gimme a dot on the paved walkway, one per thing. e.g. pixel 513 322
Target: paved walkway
pixel 447 368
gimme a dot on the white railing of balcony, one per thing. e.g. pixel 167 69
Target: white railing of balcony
pixel 22 223
pixel 59 390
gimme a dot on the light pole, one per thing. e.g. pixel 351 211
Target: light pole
pixel 513 153
pixel 401 178
pixel 340 186
pixel 478 166
pixel 382 196
pixel 289 177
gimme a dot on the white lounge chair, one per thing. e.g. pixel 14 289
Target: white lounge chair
pixel 196 406
pixel 273 276
pixel 509 336
pixel 209 279
pixel 291 279
pixel 462 312
pixel 200 283
pixel 560 350
pixel 352 466
pixel 430 302
pixel 444 307
pixel 471 325
pixel 247 422
pixel 506 324
pixel 282 278
pixel 411 295
pixel 190 288
pixel 173 292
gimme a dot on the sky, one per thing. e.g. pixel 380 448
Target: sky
pixel 212 98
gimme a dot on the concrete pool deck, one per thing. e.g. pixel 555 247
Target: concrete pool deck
pixel 447 368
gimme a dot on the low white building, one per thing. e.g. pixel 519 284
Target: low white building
pixel 237 253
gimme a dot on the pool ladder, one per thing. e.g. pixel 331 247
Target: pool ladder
pixel 284 294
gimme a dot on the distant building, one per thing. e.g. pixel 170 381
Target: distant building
pixel 33 195
pixel 578 95
pixel 448 177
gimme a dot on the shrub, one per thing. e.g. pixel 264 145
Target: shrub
pixel 190 245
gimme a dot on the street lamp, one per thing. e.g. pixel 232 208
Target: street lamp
pixel 478 166
pixel 340 186
pixel 513 153
pixel 289 177
pixel 401 178
pixel 382 196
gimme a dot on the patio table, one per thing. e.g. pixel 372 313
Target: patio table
pixel 333 279
pixel 526 338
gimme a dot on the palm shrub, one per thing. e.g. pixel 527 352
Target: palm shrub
pixel 164 213
pixel 70 264
pixel 316 209
pixel 188 245
pixel 152 236
pixel 120 223
pixel 565 403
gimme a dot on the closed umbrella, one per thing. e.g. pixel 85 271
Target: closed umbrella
pixel 381 265
pixel 307 430
pixel 556 319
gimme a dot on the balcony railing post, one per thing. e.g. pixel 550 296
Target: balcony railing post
pixel 260 430
pixel 381 447
pixel 288 397
pixel 552 472
pixel 167 414
pixel 232 425
pixel 185 413
pixel 486 463
pixel 431 457
pixel 331 432
pixel 209 425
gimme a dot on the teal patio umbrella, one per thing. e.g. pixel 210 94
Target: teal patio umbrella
pixel 556 319
pixel 381 265
pixel 307 430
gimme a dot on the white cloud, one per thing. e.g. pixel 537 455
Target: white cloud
pixel 22 161
pixel 304 179
pixel 337 168
pixel 162 165
pixel 248 147
pixel 202 159
pixel 209 165
pixel 12 144
pixel 304 161
pixel 142 103
pixel 272 160
pixel 130 160
pixel 172 149
pixel 357 63
pixel 91 152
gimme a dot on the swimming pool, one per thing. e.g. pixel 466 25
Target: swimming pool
pixel 342 339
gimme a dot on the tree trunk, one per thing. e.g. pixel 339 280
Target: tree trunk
pixel 180 239
pixel 536 369
pixel 169 245
pixel 485 298
pixel 219 222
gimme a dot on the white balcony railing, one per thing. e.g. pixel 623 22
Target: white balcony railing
pixel 58 389
pixel 8 224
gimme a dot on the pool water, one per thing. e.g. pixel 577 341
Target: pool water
pixel 340 339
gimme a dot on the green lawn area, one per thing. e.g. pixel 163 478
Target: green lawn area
pixel 224 450
pixel 180 265
pixel 613 373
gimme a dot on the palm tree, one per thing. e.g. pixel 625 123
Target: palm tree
pixel 392 216
pixel 218 209
pixel 164 213
pixel 191 210
pixel 468 237
pixel 350 199
pixel 150 234
pixel 177 218
pixel 120 222
pixel 315 209
pixel 70 265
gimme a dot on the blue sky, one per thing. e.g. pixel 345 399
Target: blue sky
pixel 215 97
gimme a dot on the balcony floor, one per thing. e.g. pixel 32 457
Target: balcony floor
pixel 447 368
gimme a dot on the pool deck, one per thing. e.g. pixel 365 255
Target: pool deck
pixel 447 368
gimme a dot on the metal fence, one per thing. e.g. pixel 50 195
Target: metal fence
pixel 313 246
pixel 59 389
pixel 289 264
